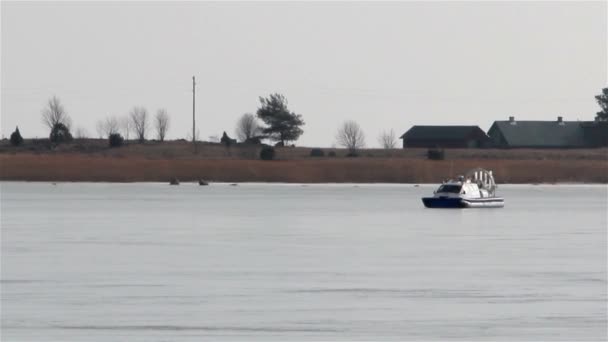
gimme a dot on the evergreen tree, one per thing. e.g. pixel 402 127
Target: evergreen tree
pixel 60 133
pixel 602 100
pixel 16 138
pixel 282 125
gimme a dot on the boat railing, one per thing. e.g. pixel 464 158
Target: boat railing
pixel 484 179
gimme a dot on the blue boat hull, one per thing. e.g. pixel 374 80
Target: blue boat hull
pixel 439 202
pixel 456 202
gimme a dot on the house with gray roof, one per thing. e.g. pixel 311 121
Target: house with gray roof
pixel 538 134
pixel 445 137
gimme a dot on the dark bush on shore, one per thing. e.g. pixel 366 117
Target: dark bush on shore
pixel 317 152
pixel 60 133
pixel 352 154
pixel 115 140
pixel 16 138
pixel 435 154
pixel 267 153
pixel 331 154
pixel 226 140
pixel 253 141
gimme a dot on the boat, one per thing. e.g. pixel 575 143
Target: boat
pixel 476 189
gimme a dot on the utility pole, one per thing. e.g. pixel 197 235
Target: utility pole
pixel 193 111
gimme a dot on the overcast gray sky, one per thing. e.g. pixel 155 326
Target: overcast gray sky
pixel 385 65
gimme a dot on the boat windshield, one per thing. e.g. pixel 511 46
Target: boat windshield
pixel 450 188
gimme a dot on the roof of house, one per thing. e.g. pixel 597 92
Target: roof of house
pixel 441 132
pixel 541 133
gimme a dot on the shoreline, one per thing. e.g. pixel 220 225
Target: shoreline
pixel 73 167
pixel 194 183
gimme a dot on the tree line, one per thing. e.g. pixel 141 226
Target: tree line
pixel 278 124
pixel 138 122
pixel 55 117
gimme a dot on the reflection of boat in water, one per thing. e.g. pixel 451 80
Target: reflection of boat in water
pixel 476 189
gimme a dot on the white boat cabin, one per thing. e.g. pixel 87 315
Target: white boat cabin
pixel 461 189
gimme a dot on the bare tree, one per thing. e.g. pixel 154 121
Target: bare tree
pixel 126 126
pixel 107 127
pixel 54 113
pixel 81 133
pixel 99 128
pixel 388 139
pixel 112 125
pixel 247 127
pixel 162 124
pixel 139 119
pixel 351 136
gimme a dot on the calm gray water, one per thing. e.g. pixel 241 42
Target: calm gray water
pixel 152 262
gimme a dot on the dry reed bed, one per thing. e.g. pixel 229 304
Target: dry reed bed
pixel 84 167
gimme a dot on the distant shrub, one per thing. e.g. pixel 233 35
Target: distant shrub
pixel 226 140
pixel 60 133
pixel 331 154
pixel 115 140
pixel 267 153
pixel 16 138
pixel 317 152
pixel 435 154
pixel 253 141
pixel 352 154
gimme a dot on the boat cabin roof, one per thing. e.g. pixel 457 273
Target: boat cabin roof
pixel 456 186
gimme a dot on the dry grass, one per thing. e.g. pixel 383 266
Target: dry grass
pixel 97 168
pixel 93 160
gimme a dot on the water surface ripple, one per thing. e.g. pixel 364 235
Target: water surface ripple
pixel 152 262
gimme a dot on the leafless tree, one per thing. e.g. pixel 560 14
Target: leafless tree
pixel 139 119
pixel 99 128
pixel 247 127
pixel 126 126
pixel 112 125
pixel 54 113
pixel 388 139
pixel 162 124
pixel 108 126
pixel 80 133
pixel 351 136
